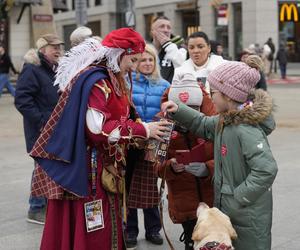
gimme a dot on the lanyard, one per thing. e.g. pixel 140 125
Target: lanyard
pixel 94 171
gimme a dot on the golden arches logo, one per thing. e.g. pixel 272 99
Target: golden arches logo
pixel 288 10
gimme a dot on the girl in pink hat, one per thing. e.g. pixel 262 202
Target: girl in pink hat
pixel 245 168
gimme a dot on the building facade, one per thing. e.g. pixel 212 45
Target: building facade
pixel 249 22
pixel 25 25
pixel 101 17
pixel 184 15
pixel 234 23
pixel 245 22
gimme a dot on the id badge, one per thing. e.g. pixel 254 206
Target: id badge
pixel 93 215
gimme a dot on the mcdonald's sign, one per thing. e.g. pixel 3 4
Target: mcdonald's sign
pixel 287 11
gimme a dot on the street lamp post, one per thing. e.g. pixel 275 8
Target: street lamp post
pixel 81 12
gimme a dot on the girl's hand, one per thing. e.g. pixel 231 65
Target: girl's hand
pixel 177 167
pixel 169 106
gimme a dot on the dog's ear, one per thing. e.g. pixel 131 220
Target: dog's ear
pixel 228 225
pixel 201 208
pixel 197 235
pixel 199 232
pixel 232 232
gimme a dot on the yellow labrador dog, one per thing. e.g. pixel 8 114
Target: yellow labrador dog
pixel 213 230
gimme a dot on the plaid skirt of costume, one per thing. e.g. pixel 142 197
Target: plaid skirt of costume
pixel 143 192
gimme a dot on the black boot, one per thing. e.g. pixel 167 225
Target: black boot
pixel 186 236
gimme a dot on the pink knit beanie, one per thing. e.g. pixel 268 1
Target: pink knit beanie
pixel 235 79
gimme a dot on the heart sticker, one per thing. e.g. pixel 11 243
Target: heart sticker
pixel 184 96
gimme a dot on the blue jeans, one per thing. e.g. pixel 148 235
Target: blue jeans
pixel 36 203
pixel 283 70
pixel 151 221
pixel 5 82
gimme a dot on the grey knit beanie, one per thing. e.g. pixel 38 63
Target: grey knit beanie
pixel 187 90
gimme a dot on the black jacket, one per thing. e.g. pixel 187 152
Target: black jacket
pixel 282 56
pixel 166 67
pixel 6 64
pixel 36 96
pixel 170 50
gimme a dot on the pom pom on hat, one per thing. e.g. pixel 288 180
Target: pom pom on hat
pixel 125 38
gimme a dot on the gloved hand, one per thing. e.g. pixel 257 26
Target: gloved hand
pixel 198 169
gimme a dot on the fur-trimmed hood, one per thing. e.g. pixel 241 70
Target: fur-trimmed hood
pixel 262 107
pixel 32 57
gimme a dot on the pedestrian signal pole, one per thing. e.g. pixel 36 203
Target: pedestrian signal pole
pixel 81 12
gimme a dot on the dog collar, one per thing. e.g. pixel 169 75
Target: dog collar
pixel 213 245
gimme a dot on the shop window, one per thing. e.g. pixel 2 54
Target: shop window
pixel 237 27
pixel 68 29
pixel 59 6
pixel 190 22
pixel 87 4
pixel 95 27
pixel 221 24
pixel 289 29
pixel 97 2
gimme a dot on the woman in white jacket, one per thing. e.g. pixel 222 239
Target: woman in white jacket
pixel 201 61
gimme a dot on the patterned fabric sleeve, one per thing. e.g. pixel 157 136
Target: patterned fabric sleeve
pixel 101 127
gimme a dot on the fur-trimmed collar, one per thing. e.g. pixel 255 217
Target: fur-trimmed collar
pixel 32 57
pixel 262 107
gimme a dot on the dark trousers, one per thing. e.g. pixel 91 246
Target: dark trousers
pixel 283 70
pixel 151 221
pixel 272 65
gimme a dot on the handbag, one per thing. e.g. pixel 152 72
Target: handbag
pixel 112 182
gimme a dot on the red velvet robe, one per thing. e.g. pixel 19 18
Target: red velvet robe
pixel 65 226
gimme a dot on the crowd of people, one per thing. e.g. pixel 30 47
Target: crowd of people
pixel 270 58
pixel 89 113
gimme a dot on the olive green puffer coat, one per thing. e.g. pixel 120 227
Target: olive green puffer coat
pixel 244 166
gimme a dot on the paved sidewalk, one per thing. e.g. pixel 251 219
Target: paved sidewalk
pixel 16 168
pixel 289 80
pixel 293 75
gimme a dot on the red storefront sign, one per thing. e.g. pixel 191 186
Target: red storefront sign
pixel 42 18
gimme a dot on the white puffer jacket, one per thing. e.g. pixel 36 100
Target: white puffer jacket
pixel 199 72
